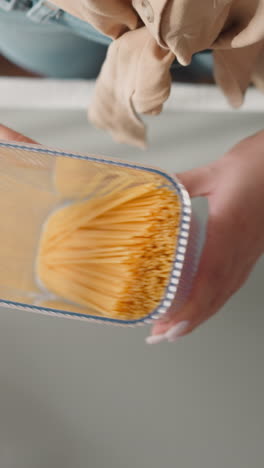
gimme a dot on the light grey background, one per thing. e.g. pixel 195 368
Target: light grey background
pixel 76 395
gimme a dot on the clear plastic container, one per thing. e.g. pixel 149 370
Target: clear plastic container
pixel 35 182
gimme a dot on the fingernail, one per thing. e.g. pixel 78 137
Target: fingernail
pixel 176 331
pixel 155 339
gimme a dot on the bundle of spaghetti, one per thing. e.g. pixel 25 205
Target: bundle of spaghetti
pixel 112 253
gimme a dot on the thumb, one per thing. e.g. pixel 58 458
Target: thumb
pixel 198 182
pixel 7 134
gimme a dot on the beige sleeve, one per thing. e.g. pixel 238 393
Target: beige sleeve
pixel 134 79
pixel 184 26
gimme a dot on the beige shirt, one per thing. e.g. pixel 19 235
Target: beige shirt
pixel 149 34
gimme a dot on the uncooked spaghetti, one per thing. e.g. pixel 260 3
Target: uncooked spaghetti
pixel 112 253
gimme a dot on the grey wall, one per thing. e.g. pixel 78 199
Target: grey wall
pixel 80 395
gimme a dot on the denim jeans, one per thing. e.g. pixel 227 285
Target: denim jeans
pixel 63 47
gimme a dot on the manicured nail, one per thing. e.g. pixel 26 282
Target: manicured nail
pixel 155 339
pixel 176 331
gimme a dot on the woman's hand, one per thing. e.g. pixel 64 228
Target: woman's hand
pixel 234 186
pixel 10 135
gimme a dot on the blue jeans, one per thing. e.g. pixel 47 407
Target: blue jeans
pixel 64 47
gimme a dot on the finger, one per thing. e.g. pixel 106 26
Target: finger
pixel 198 182
pixel 7 134
pixel 209 290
